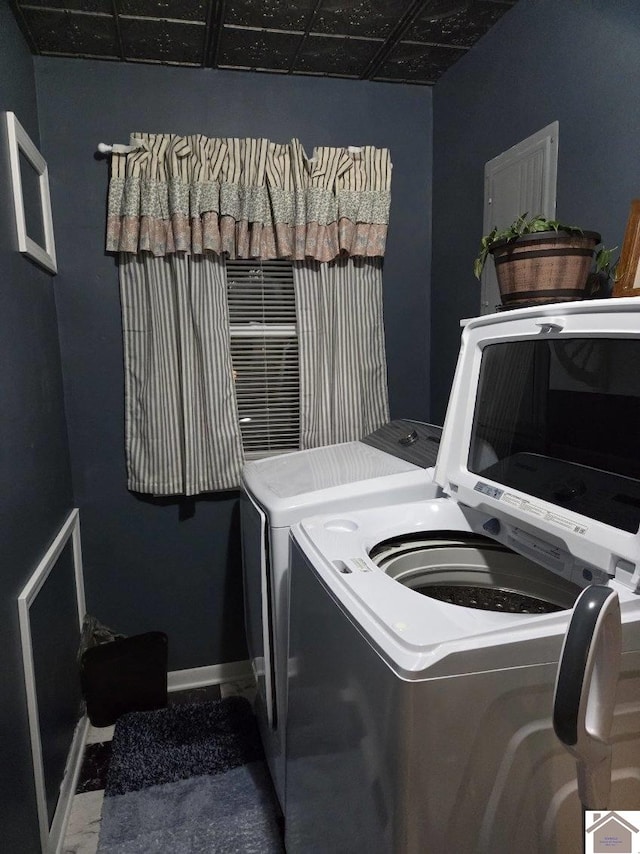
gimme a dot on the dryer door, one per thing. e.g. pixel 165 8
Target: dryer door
pixel 257 600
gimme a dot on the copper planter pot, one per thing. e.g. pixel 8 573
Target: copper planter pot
pixel 545 267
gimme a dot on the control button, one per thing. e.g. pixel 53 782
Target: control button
pixel 566 491
pixel 409 439
pixel 492 526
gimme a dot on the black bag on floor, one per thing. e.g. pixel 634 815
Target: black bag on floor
pixel 124 675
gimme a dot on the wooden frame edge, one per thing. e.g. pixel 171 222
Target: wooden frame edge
pixel 627 282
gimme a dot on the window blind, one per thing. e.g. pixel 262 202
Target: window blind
pixel 264 353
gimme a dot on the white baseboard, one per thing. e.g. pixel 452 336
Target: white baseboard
pixel 213 674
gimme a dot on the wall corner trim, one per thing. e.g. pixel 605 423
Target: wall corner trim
pixel 51 837
pixel 68 787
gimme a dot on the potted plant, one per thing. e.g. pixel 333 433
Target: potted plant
pixel 540 260
pixel 600 282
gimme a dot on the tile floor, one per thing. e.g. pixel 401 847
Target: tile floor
pixel 83 829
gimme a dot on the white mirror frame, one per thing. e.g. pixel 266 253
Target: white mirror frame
pixel 52 836
pixel 19 140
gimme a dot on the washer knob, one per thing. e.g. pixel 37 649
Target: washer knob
pixel 409 439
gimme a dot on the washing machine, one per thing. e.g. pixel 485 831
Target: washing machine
pixel 392 464
pixel 425 637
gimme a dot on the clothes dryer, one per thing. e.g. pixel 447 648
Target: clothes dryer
pixel 425 637
pixel 392 464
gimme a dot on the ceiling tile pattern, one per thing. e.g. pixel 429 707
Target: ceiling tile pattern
pixel 404 41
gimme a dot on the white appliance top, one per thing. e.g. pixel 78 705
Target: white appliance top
pixel 393 463
pixel 397 447
pixel 291 475
pixel 420 636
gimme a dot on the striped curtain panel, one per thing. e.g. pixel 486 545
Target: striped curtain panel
pixel 182 434
pixel 343 374
pixel 178 206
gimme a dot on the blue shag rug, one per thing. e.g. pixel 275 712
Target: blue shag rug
pixel 189 779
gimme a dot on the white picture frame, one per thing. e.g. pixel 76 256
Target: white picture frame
pixel 19 141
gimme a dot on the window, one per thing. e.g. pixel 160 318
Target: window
pixel 264 353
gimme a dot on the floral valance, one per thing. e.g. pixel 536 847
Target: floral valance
pixel 247 198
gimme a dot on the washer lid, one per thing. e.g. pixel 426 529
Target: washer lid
pixel 542 428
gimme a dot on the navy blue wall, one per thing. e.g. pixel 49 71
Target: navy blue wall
pixel 176 567
pixel 577 62
pixel 34 468
pixel 159 565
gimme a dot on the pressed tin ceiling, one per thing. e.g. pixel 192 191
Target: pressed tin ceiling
pixel 403 41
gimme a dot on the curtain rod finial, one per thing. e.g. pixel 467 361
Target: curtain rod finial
pixel 136 143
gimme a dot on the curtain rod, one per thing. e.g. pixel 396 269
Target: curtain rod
pixel 104 148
